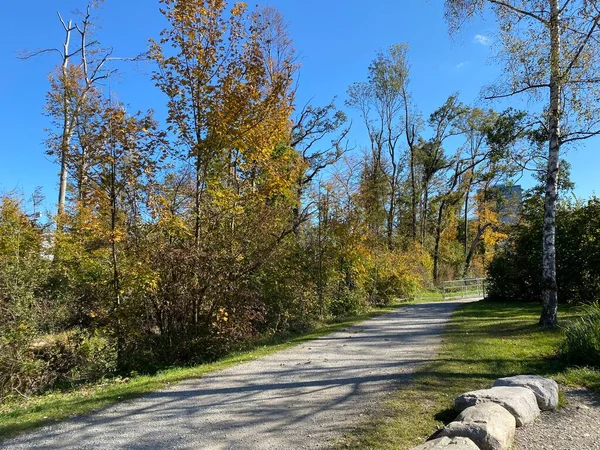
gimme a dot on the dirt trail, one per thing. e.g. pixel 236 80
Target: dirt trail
pixel 305 397
pixel 576 426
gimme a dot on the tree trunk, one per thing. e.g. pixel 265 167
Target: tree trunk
pixel 409 131
pixel 548 317
pixel 424 212
pixel 413 190
pixel 114 261
pixel 67 127
pixel 438 238
pixel 473 248
pixel 197 200
pixel 392 210
pixel 413 194
pixel 320 296
pixel 62 188
pixel 466 218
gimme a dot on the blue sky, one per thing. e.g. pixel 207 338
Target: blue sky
pixel 336 40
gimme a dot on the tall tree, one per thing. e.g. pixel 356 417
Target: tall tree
pixel 193 56
pixel 549 50
pixel 431 154
pixel 494 135
pixel 227 75
pixel 122 162
pixel 72 87
pixel 313 126
pixel 381 100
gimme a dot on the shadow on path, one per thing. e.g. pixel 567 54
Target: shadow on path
pixel 303 397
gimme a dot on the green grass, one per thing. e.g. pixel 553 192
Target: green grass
pixel 436 295
pixel 484 341
pixel 21 415
pixel 429 295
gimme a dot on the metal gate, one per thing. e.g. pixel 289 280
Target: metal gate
pixel 465 288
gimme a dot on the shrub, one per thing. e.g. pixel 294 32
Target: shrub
pixel 347 302
pixel 31 364
pixel 582 339
pixel 398 274
pixel 515 272
pixel 94 355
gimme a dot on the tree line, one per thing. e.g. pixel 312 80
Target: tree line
pixel 242 217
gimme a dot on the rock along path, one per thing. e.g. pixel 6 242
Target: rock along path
pixel 305 397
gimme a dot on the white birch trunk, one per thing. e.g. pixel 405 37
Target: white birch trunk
pixel 67 127
pixel 548 317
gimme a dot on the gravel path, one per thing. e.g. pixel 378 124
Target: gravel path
pixel 305 397
pixel 574 427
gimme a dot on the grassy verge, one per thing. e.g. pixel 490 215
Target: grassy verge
pixel 484 341
pixel 25 414
pixel 429 295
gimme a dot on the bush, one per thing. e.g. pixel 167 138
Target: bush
pixel 31 364
pixel 582 339
pixel 515 272
pixel 347 302
pixel 94 356
pixel 397 274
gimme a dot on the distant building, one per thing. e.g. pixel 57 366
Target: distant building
pixel 510 202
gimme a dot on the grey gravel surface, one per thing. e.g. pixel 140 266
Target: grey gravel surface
pixel 574 427
pixel 304 397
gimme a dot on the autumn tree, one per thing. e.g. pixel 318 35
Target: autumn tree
pixel 470 149
pixel 73 86
pixel 22 267
pixel 124 153
pixel 228 75
pixel 225 82
pixel 549 51
pixel 190 72
pixel 318 135
pixel 502 138
pixel 432 157
pixel 382 101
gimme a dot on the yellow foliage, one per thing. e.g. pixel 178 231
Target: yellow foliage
pixel 222 315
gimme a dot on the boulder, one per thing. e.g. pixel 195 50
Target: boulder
pixel 456 443
pixel 488 425
pixel 544 389
pixel 519 401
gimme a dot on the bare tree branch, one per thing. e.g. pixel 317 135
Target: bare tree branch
pixel 580 136
pixel 518 91
pixel 28 55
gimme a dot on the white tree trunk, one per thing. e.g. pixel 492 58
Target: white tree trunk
pixel 64 159
pixel 67 124
pixel 548 317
